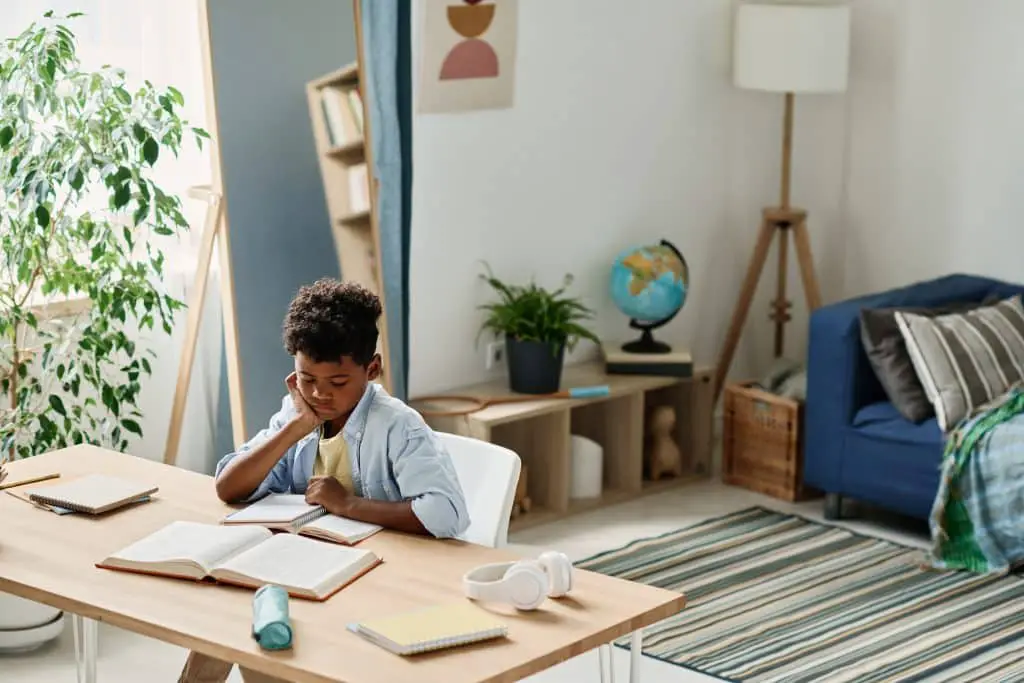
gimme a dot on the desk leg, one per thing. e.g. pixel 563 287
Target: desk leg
pixel 86 644
pixel 606 661
pixel 635 655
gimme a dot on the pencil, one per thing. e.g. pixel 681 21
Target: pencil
pixel 33 480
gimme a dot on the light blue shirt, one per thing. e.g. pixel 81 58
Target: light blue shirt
pixel 394 456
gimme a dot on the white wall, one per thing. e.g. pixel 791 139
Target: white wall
pixel 625 129
pixel 936 162
pixel 158 41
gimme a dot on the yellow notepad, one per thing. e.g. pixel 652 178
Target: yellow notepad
pixel 434 628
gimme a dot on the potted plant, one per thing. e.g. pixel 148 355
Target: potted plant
pixel 538 326
pixel 81 220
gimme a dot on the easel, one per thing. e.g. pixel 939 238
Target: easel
pixel 215 233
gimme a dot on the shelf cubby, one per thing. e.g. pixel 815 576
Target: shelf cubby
pixel 539 431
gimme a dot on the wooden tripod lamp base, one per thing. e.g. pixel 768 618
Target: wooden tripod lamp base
pixel 775 221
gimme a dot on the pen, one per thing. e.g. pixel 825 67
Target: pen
pixel 32 480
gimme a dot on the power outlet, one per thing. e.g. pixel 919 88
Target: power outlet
pixel 495 355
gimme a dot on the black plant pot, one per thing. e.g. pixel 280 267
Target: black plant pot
pixel 533 367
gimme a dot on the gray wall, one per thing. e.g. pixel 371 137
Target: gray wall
pixel 264 52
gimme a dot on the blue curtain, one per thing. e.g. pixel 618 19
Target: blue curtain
pixel 386 26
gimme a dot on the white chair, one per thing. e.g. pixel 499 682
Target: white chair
pixel 488 474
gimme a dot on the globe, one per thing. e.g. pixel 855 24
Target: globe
pixel 649 285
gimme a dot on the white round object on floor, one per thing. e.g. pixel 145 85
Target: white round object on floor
pixel 28 638
pixel 587 467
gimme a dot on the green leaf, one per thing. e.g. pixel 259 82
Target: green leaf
pixel 110 399
pixel 150 151
pixel 140 212
pixel 57 404
pixel 76 179
pixel 122 195
pixel 6 135
pixel 43 216
pixel 132 426
pixel 163 230
pixel 176 95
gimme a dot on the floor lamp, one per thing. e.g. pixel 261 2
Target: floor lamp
pixel 789 49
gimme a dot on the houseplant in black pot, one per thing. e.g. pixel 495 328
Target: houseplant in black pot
pixel 538 326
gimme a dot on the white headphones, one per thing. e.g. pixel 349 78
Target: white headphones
pixel 523 584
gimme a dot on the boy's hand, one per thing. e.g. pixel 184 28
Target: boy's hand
pixel 329 493
pixel 307 417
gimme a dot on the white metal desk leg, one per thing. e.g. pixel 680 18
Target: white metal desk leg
pixel 86 645
pixel 601 650
pixel 636 645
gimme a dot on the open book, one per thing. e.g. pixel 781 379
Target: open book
pixel 248 556
pixel 290 512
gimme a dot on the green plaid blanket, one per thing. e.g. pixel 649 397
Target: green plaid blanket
pixel 977 521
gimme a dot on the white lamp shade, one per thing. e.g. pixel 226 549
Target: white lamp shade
pixel 792 48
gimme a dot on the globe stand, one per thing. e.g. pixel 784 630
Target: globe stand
pixel 646 343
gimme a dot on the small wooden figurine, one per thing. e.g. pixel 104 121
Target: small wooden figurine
pixel 663 455
pixel 521 503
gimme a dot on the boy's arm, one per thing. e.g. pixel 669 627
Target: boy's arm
pixel 247 473
pixel 243 473
pixel 394 515
pixel 433 505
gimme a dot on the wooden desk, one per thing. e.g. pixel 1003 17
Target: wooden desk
pixel 50 559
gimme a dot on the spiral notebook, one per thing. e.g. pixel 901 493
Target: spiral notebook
pixel 434 628
pixel 93 494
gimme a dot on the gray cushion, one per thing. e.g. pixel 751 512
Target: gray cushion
pixel 887 351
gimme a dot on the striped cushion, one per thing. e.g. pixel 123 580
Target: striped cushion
pixel 965 360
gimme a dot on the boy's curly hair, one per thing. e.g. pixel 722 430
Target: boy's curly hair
pixel 330 319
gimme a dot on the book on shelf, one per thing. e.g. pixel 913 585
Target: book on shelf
pixel 341 126
pixel 359 188
pixel 291 513
pixel 92 494
pixel 355 103
pixel 434 628
pixel 330 123
pixel 247 556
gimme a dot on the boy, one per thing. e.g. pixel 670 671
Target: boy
pixel 340 439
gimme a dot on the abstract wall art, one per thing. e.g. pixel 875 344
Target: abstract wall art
pixel 468 55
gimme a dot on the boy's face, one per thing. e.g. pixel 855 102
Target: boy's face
pixel 332 389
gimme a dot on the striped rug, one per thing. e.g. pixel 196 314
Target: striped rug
pixel 775 597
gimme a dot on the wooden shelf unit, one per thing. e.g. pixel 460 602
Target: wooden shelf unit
pixel 353 224
pixel 539 431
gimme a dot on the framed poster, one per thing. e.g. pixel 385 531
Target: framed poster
pixel 468 55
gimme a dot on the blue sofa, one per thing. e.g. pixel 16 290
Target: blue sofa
pixel 856 444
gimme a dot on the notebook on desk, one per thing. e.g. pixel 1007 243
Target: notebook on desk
pixel 291 513
pixel 434 628
pixel 93 494
pixel 246 556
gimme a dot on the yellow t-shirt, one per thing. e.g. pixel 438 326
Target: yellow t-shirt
pixel 332 460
